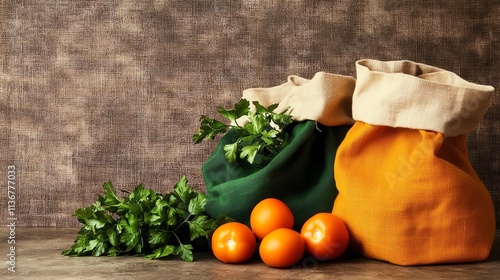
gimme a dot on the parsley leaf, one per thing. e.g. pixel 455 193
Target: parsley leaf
pixel 145 223
pixel 258 140
pixel 240 109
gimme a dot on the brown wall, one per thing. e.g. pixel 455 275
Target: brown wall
pixel 92 91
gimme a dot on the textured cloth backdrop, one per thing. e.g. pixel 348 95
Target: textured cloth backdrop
pixel 112 90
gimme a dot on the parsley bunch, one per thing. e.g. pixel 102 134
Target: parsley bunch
pixel 144 223
pixel 258 140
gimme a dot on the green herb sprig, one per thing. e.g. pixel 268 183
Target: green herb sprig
pixel 261 138
pixel 145 223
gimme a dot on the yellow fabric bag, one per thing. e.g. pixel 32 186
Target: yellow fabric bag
pixel 407 190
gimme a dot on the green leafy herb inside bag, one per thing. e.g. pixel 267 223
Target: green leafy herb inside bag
pixel 259 139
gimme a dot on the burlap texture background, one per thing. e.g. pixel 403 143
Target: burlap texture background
pixel 92 91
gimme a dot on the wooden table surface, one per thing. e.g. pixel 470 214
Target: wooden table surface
pixel 38 256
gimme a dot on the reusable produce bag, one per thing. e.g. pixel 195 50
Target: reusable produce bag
pixel 407 190
pixel 301 174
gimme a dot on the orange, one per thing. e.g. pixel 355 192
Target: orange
pixel 233 242
pixel 325 236
pixel 282 248
pixel 268 215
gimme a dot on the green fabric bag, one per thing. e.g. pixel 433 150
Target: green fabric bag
pixel 301 175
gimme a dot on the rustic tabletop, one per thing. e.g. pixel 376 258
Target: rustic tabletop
pixel 38 256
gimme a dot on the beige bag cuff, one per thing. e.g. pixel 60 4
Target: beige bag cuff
pixel 418 96
pixel 326 98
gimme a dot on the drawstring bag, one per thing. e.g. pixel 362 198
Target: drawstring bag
pixel 407 191
pixel 301 174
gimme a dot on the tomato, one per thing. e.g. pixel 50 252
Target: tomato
pixel 268 215
pixel 282 248
pixel 233 242
pixel 325 235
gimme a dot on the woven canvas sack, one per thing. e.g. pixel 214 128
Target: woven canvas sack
pixel 407 190
pixel 301 174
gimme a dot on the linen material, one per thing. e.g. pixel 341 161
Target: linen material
pixel 411 197
pixel 407 191
pixel 93 91
pixel 326 98
pixel 418 96
pixel 301 174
